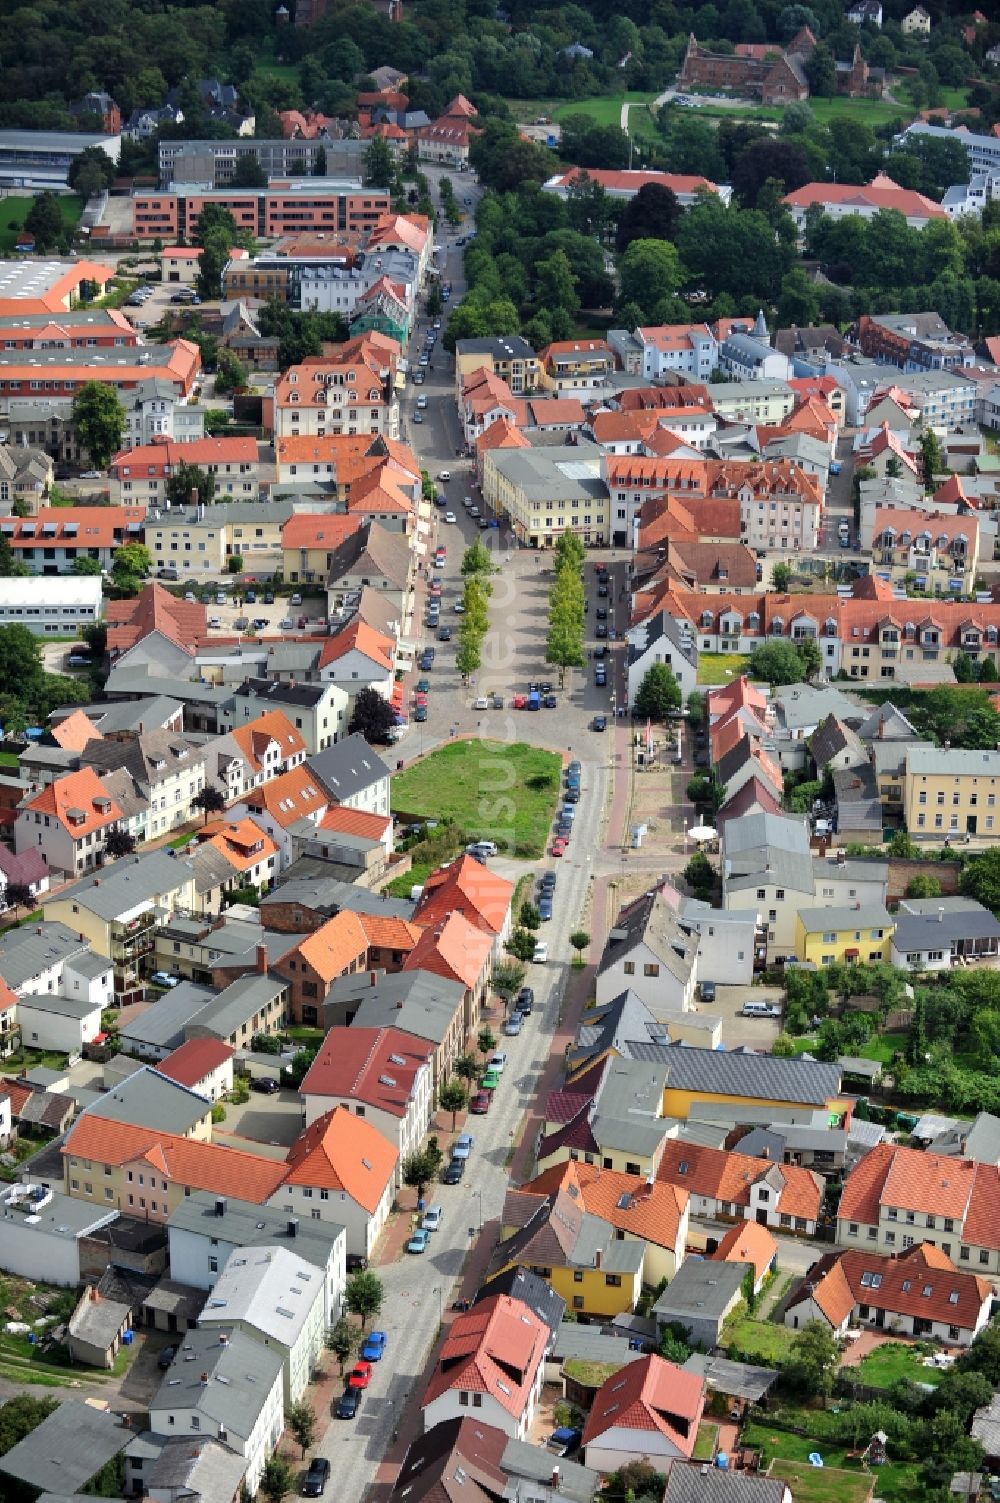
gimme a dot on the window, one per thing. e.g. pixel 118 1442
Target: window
pixel 578 1302
pixel 613 1280
pixel 577 1276
pixel 629 967
pixel 651 970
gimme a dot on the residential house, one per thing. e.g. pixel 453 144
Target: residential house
pixel 68 822
pixel 544 491
pixel 844 936
pixel 317 711
pixel 695 1076
pixel 723 1184
pixel 933 934
pixel 339 948
pixel 700 1299
pixel 376 557
pixel 840 200
pixel 96 1328
pixel 204 1065
pixel 690 1483
pixel 468 887
pixel 204 1229
pixel 253 753
pixel 288 809
pixel 353 774
pixel 896 1197
pixel 508 356
pixel 447 139
pixel 726 942
pixel 342 1170
pixel 650 1411
pixel 276 1298
pixel 51 540
pixel 918 1293
pixel 382 1075
pixel 951 791
pixel 753 1246
pixel 309 541
pixel 492 1360
pixel 648 952
pixel 167 769
pixel 458 950
pixel 429 1006
pixel 232 1390
pixel 66 1451
pixel 55 987
pixel 660 639
pixel 42 1228
pixel 141 476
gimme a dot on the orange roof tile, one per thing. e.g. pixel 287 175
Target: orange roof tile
pixel 746 1242
pixel 201 1166
pixel 334 948
pixel 154 609
pixel 243 843
pixel 256 735
pixel 289 798
pixel 388 933
pixel 922 1282
pixel 653 1211
pixel 468 887
pixel 454 948
pixel 909 1180
pixel 359 637
pixel 650 1394
pixel 719 1175
pixel 73 733
pixel 76 794
pixel 342 1152
pixel 324 530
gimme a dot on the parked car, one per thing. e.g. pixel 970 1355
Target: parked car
pixel 707 990
pixel 444 634
pixel 453 1174
pixel 348 1404
pixel 463 1146
pixel 512 1027
pixel 431 1221
pixel 525 1000
pixel 420 714
pixel 265 1084
pixel 316 1478
pixel 600 722
pixel 559 846
pixel 498 1061
pixel 479 1106
pixel 361 1375
pixel 164 978
pixel 541 954
pixel 418 1242
pixel 165 1358
pixel 489 1080
pixel 374 1346
pixel 545 909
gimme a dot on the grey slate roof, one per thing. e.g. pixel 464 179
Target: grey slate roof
pixel 779 832
pixel 983 1142
pixel 642 1137
pixel 139 879
pixel 532 1290
pixel 700 1287
pixel 633 1088
pixel 650 920
pixel 927 931
pixel 25 953
pixel 244 1224
pixel 162 1024
pixel 887 723
pixel 833 737
pixel 98 1321
pixel 247 1371
pixel 858 804
pixel 308 881
pixel 804 705
pixel 592 1344
pixel 690 1482
pixel 868 916
pixel 417 1002
pixel 625 1017
pixel 65 1451
pixel 347 768
pixel 738 1380
pixel 148 1099
pixel 522 1461
pixel 953 761
pixel 765 1076
pixel 202 1468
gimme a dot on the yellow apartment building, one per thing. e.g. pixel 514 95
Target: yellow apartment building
pixel 947 792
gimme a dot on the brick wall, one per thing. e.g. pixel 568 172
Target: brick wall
pixel 902 873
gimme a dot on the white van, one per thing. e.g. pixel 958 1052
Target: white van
pixel 756 1010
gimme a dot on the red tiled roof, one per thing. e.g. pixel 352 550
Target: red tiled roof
pixel 355 822
pixel 628 1202
pixel 378 1066
pixel 746 1242
pixel 195 1059
pixel 78 793
pixel 468 887
pixel 728 1177
pixel 922 1282
pixel 201 1166
pixel 495 1348
pixel 650 1394
pixel 453 948
pixel 880 193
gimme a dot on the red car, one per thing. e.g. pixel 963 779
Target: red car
pixel 361 1375
pixel 559 847
pixel 480 1103
pixel 519 701
pixel 420 699
pixel 441 551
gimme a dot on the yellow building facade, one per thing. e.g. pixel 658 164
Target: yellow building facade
pixel 948 792
pixel 843 936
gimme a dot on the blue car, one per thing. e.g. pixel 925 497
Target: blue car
pixel 545 908
pixel 374 1347
pixel 418 1242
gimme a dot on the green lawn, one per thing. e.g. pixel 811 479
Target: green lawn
pixel 720 667
pixel 868 111
pixel 894 1360
pixel 883 1046
pixel 8 759
pixel 603 111
pixel 492 791
pixel 760 1340
pixel 14 211
pixel 840 1479
pixel 813 1484
pixel 706 1442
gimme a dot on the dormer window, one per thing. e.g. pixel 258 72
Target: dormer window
pixel 777 627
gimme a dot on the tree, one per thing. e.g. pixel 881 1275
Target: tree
pixel 45 222
pixel 812 660
pixel 776 662
pixel 19 1416
pixel 466 1067
pixel 343 1340
pixel 579 939
pixel 648 272
pixel 568 552
pixel 930 457
pixel 507 980
pixel 84 564
pixel 529 917
pixel 564 642
pixel 556 286
pixel 373 716
pixel 784 1046
pixel 522 944
pixel 799 302
pixel 813 1360
pixel 380 164
pixel 821 73
pixel 20 660
pixel 230 373
pixel 363 1296
pixel 699 874
pixel 653 214
pixel 248 173
pixel 635 1482
pixel 10 566
pixel 923 887
pixel 319 164
pixel 486 1041
pixel 453 1097
pixel 300 1418
pixel 119 843
pixel 17 895
pixel 781 577
pixel 185 481
pixel 419 1169
pixel 468 654
pixel 477 560
pixel 212 262
pixel 130 563
pixel 658 694
pixel 276 1478
pixel 980 879
pixel 209 800
pixel 983 1356
pixel 99 421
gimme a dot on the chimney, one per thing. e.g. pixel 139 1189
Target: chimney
pixel 556 1479
pixel 597 1258
pixel 220 1205
pixel 881 730
pixel 262 960
pixel 204 1380
pixel 293 1225
pixel 373 978
pixel 940 915
pixel 223 1339
pixel 38 929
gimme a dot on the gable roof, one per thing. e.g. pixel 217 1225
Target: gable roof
pixel 194 1060
pixel 79 801
pixel 334 948
pixel 909 1179
pixel 729 1177
pixel 256 735
pixel 378 1066
pixel 347 768
pixel 342 1152
pixel 154 609
pixel 454 948
pixel 922 1282
pixel 651 1394
pixel 468 887
pixel 628 1202
pixel 746 1242
pixel 202 1166
pixel 495 1349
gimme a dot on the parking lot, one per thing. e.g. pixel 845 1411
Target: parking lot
pixel 283 614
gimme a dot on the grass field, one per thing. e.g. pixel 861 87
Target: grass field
pixel 811 1484
pixel 838 1480
pixel 14 211
pixel 894 1360
pixel 720 667
pixel 869 111
pixel 883 1046
pixel 493 791
pixel 706 1442
pixel 603 111
pixel 761 1340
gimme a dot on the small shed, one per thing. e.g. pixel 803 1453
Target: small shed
pixel 97 1329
